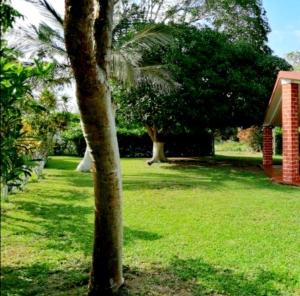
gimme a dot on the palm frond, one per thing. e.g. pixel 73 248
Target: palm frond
pixel 127 54
pixel 49 12
pixel 147 38
pixel 127 59
pixel 39 40
pixel 160 78
pixel 123 71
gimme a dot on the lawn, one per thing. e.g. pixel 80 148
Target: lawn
pixel 205 227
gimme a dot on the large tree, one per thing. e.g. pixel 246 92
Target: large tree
pixel 88 37
pixel 222 83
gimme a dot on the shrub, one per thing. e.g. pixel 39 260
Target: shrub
pixel 136 142
pixel 73 138
pixel 252 137
pixel 278 140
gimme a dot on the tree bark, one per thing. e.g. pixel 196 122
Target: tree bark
pixel 158 153
pixel 88 41
pixel 86 164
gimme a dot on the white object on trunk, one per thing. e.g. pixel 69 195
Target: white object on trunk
pixel 158 154
pixel 86 163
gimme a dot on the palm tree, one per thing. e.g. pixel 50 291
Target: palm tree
pixel 129 42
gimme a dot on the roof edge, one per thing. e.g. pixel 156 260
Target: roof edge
pixel 294 76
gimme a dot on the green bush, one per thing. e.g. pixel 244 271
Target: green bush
pixel 278 140
pixel 252 137
pixel 135 142
pixel 73 138
pixel 256 139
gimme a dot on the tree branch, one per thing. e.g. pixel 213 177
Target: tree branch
pixel 103 34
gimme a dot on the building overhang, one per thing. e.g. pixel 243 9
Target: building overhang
pixel 274 112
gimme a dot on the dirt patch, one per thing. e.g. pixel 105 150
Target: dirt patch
pixel 155 281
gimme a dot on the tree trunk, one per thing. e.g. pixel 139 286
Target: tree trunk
pixel 158 153
pixel 88 42
pixel 86 163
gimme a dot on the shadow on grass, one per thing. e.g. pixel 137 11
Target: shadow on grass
pixel 42 280
pixel 191 277
pixel 65 226
pixel 209 173
pixel 245 172
pixel 196 277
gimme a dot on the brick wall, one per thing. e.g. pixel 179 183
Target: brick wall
pixel 267 146
pixel 290 126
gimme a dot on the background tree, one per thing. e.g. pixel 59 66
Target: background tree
pixel 90 57
pixel 162 11
pixel 240 20
pixel 294 59
pixel 223 83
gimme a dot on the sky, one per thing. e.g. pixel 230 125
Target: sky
pixel 284 20
pixel 283 17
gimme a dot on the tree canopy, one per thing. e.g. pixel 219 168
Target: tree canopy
pixel 294 59
pixel 241 20
pixel 222 83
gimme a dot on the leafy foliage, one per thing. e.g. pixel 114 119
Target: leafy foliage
pixel 15 100
pixel 241 20
pixel 17 82
pixel 7 16
pixel 161 11
pixel 294 59
pixel 131 37
pixel 73 135
pixel 251 136
pixel 222 84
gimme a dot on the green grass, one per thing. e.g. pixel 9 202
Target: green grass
pixel 232 146
pixel 204 227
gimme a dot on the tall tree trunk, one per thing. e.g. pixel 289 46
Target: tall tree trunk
pixel 158 153
pixel 88 42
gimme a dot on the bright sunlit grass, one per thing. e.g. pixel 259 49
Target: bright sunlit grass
pixel 203 227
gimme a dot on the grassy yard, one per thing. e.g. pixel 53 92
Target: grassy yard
pixel 216 227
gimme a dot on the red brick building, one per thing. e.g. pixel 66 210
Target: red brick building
pixel 284 110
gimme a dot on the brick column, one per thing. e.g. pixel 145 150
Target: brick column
pixel 290 131
pixel 267 146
